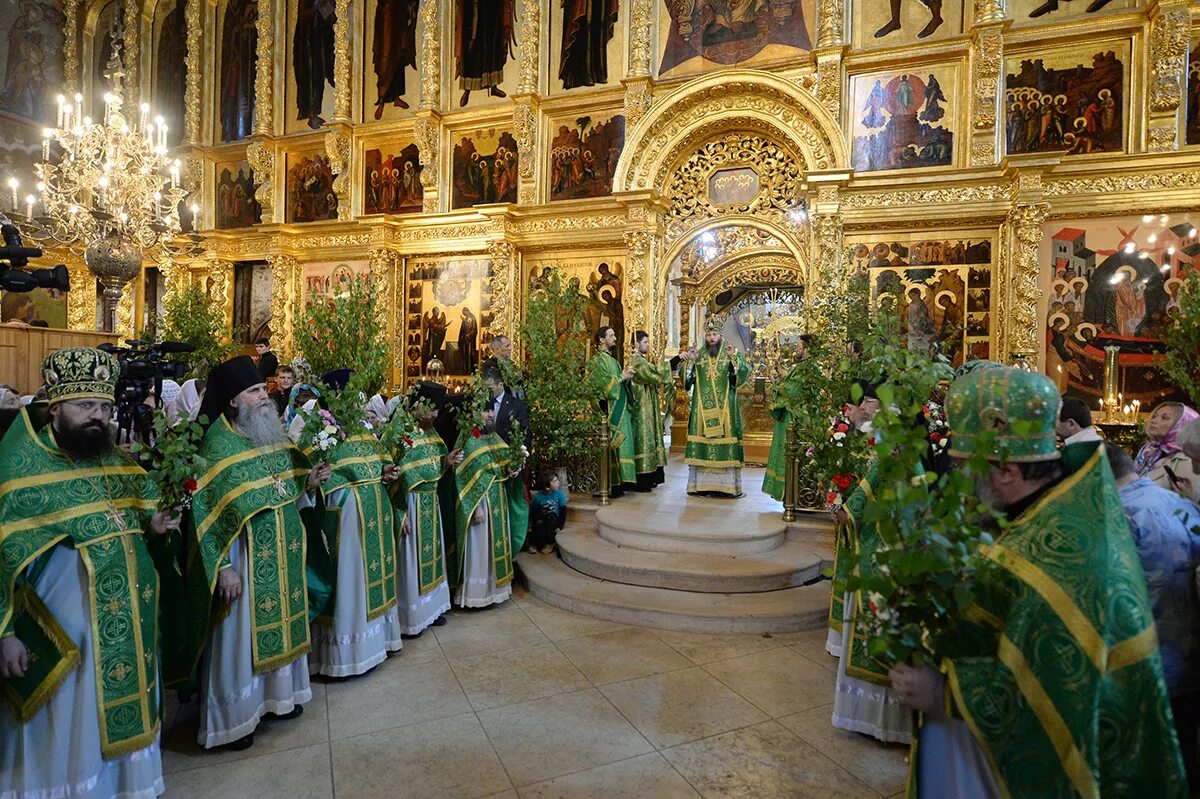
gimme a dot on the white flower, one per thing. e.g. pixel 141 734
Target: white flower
pixel 330 430
pixel 838 436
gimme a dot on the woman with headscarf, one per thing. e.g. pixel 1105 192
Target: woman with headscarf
pixel 1161 458
pixel 187 402
pixel 300 395
pixel 376 412
pixel 167 396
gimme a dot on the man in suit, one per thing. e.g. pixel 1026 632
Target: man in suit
pixel 268 364
pixel 506 406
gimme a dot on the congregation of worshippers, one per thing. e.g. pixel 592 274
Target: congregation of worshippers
pixel 285 562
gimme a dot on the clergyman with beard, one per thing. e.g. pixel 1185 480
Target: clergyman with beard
pixel 248 548
pixel 714 453
pixel 1056 687
pixel 76 577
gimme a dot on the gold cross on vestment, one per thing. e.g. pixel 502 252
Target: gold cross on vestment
pixel 115 516
pixel 120 671
pixel 114 606
pixel 280 487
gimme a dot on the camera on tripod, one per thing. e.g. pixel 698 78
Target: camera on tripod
pixel 14 257
pixel 144 366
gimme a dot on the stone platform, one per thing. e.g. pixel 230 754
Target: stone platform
pixel 696 564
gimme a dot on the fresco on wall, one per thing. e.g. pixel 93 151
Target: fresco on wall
pixel 31 74
pixel 236 204
pixel 1114 281
pixel 392 42
pixel 392 182
pixel 707 34
pixel 328 278
pixel 584 154
pixel 1047 11
pixel 239 45
pixel 598 279
pixel 447 308
pixel 943 286
pixel 903 120
pixel 485 40
pixel 588 49
pixel 1193 95
pixel 484 168
pixel 310 196
pixel 895 23
pixel 170 68
pixel 1065 103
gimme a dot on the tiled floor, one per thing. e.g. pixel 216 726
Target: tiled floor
pixel 528 701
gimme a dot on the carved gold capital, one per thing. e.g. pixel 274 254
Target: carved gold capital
pixel 988 11
pixel 831 18
pixel 264 100
pixel 431 56
pixel 338 143
pixel 829 81
pixel 1170 32
pixel 427 133
pixel 261 156
pixel 639 98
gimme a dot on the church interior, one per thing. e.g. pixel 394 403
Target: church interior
pixel 1023 174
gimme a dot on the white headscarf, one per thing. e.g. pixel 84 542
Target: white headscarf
pixel 5 393
pixel 392 404
pixel 297 424
pixel 187 402
pixel 170 390
pixel 28 399
pixel 377 406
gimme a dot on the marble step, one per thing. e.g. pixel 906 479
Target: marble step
pixel 789 610
pixel 792 564
pixel 693 530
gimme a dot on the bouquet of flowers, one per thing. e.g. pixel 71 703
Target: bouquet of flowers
pixel 470 416
pixel 401 428
pixel 321 434
pixel 939 426
pixel 518 454
pixel 839 459
pixel 174 462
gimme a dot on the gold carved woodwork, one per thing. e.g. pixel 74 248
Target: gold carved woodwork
pixel 387 268
pixel 505 312
pixel 987 60
pixel 193 28
pixel 829 82
pixel 264 83
pixel 337 148
pixel 778 269
pixel 640 25
pixel 72 74
pixel 342 90
pixel 989 11
pixel 639 97
pixel 431 58
pixel 831 22
pixel 427 133
pixel 131 55
pixel 531 35
pixel 829 251
pixel 81 303
pixel 124 322
pixel 285 296
pixel 261 156
pixel 641 250
pixel 1170 32
pixel 1019 272
pixel 525 131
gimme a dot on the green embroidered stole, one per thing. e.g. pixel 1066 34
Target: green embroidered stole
pixel 357 465
pixel 480 476
pixel 253 490
pixel 714 427
pixel 1065 693
pixel 646 414
pixel 100 506
pixel 421 468
pixel 605 373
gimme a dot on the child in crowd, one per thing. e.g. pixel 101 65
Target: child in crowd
pixel 548 511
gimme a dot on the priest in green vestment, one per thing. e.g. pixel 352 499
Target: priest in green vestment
pixel 611 385
pixel 1058 689
pixel 79 596
pixel 714 452
pixel 787 391
pixel 247 552
pixel 483 568
pixel 646 388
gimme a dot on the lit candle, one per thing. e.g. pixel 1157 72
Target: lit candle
pixel 142 118
pixel 195 213
pixel 14 184
pixel 78 105
pixel 158 206
pixel 46 145
pixel 162 137
pixel 29 200
pixel 61 102
pixel 150 134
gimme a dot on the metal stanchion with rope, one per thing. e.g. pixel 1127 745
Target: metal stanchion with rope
pixel 605 455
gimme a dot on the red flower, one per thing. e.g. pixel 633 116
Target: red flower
pixel 871 603
pixel 842 427
pixel 936 438
pixel 189 485
pixel 407 442
pixel 871 441
pixel 842 481
pixel 475 432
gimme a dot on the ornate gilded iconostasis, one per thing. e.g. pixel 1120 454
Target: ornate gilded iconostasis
pixel 1026 171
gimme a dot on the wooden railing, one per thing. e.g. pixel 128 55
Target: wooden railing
pixel 23 349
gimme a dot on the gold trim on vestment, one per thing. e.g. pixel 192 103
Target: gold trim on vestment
pixel 26 599
pixel 50 519
pixel 76 474
pixel 1133 649
pixel 252 452
pixel 215 513
pixel 956 691
pixel 714 465
pixel 714 442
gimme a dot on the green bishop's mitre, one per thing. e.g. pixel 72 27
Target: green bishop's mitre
pixel 974 366
pixel 80 373
pixel 1018 406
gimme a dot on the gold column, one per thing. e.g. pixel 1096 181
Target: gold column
pixel 505 313
pixel 260 152
pixel 81 300
pixel 338 147
pixel 386 268
pixel 427 130
pixel 71 67
pixel 1170 35
pixel 639 85
pixel 1019 295
pixel 986 68
pixel 285 271
pixel 641 259
pixel 831 17
pixel 133 31
pixel 525 108
pixel 342 86
pixel 828 260
pixel 193 26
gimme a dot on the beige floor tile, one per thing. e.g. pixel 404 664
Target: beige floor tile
pixel 295 774
pixel 449 757
pixel 400 694
pixel 503 795
pixel 880 766
pixel 779 682
pixel 181 752
pixel 644 777
pixel 558 625
pixel 680 706
pixel 621 655
pixel 765 761
pixel 481 632
pixel 700 648
pixel 421 649
pixel 505 678
pixel 548 738
pixel 810 643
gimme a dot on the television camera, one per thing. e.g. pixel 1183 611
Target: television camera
pixel 144 366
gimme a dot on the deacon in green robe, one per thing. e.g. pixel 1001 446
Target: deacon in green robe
pixel 1058 688
pixel 421 587
pixel 483 550
pixel 79 675
pixel 787 391
pixel 610 383
pixel 360 624
pixel 247 551
pixel 714 452
pixel 646 387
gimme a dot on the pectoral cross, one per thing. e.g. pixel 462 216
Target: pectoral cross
pixel 280 487
pixel 115 516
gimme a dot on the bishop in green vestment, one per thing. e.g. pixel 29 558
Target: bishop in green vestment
pixel 611 384
pixel 646 388
pixel 1058 690
pixel 714 452
pixel 247 551
pixel 79 675
pixel 484 552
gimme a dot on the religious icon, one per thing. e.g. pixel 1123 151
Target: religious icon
pixel 583 157
pixel 1052 5
pixel 1193 95
pixel 310 196
pixel 903 121
pixel 239 45
pixel 449 302
pixel 394 50
pixel 894 24
pixel 1055 103
pixel 236 204
pixel 32 59
pixel 588 26
pixel 484 38
pixel 730 33
pixel 170 72
pixel 393 182
pixel 485 169
pixel 312 57
pixel 1057 10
